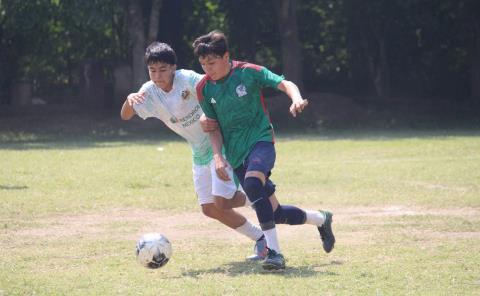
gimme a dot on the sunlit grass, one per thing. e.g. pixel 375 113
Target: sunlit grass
pixel 406 218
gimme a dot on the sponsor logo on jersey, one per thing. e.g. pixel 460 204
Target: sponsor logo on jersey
pixel 241 90
pixel 192 117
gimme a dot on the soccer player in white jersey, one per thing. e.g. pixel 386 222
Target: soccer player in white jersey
pixel 171 96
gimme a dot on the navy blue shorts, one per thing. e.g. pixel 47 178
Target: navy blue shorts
pixel 261 158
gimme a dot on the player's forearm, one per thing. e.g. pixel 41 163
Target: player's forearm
pixel 217 142
pixel 291 90
pixel 127 111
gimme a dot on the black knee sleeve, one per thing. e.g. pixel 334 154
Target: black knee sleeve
pixel 263 208
pixel 254 189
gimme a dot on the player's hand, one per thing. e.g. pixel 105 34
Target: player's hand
pixel 208 125
pixel 298 106
pixel 136 98
pixel 221 166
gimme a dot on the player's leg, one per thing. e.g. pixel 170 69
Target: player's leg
pixel 228 217
pixel 252 176
pixel 226 191
pixel 238 200
pixel 240 224
pixel 202 180
pixel 206 187
pixel 292 215
pixel 263 207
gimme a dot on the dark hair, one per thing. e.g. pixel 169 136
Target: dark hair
pixel 213 43
pixel 160 52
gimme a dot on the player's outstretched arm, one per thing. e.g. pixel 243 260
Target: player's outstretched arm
pixel 127 111
pixel 292 91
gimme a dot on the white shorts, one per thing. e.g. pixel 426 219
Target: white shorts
pixel 207 184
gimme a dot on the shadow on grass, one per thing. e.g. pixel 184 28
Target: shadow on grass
pixel 85 141
pixel 13 187
pixel 50 143
pixel 33 131
pixel 245 268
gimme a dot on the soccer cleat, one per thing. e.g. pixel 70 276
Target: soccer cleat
pixel 260 249
pixel 326 233
pixel 274 261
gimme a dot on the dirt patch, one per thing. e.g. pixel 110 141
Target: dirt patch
pixel 131 223
pixel 395 211
pixel 99 223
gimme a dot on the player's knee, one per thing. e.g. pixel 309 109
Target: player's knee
pixel 210 211
pixel 254 188
pixel 222 203
pixel 256 174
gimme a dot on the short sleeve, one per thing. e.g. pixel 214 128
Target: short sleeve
pixel 266 78
pixel 193 78
pixel 146 109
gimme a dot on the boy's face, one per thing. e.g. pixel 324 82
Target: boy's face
pixel 215 66
pixel 162 74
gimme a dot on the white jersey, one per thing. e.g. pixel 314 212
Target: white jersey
pixel 180 111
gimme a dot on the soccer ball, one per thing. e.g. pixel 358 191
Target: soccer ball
pixel 153 250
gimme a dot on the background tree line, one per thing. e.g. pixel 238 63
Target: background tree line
pixel 85 52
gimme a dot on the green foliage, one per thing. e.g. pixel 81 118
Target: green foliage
pixel 49 38
pixel 322 32
pixel 253 32
pixel 429 45
pixel 198 17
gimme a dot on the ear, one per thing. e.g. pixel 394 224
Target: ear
pixel 226 56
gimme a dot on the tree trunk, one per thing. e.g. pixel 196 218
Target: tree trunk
pixel 374 47
pixel 359 69
pixel 291 56
pixel 137 37
pixel 382 73
pixel 93 85
pixel 475 63
pixel 154 21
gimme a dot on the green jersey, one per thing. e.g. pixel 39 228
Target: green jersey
pixel 237 103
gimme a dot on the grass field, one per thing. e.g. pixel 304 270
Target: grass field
pixel 406 215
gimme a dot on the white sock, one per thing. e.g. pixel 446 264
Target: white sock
pixel 249 230
pixel 272 239
pixel 314 217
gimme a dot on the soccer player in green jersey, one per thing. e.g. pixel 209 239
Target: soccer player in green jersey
pixel 231 96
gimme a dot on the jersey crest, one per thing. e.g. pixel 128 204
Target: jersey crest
pixel 241 90
pixel 185 94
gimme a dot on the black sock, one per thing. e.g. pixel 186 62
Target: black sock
pixel 287 214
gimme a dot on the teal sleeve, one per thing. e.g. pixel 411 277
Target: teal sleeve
pixel 266 78
pixel 193 78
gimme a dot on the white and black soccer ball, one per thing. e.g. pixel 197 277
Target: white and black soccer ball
pixel 153 250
